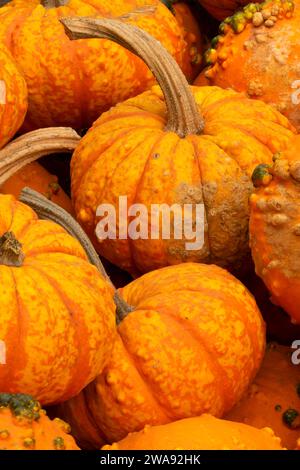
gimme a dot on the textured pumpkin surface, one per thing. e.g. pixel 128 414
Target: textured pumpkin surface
pixel 259 55
pixel 275 229
pixel 205 433
pixel 13 97
pixel 39 179
pixel 160 167
pixel 273 396
pixel 220 9
pixel 173 359
pixel 71 83
pixel 25 426
pixel 57 319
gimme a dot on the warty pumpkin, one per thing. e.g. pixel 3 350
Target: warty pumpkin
pixel 196 146
pixel 220 9
pixel 275 228
pixel 204 432
pixel 24 425
pixel 70 84
pixel 273 400
pixel 257 53
pixel 172 360
pixel 13 97
pixel 16 173
pixel 57 312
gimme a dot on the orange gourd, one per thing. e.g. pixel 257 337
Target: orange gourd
pixel 71 84
pixel 257 53
pixel 275 228
pixel 173 358
pixel 13 97
pixel 57 313
pixel 273 400
pixel 220 9
pixel 25 426
pixel 205 433
pixel 198 146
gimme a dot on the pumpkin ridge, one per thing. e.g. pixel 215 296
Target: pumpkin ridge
pixel 91 418
pixel 151 387
pixel 108 117
pixel 66 301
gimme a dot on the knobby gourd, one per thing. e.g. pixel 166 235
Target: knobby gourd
pixel 172 359
pixel 13 97
pixel 257 53
pixel 275 228
pixel 273 400
pixel 71 84
pixel 204 432
pixel 221 9
pixel 16 172
pixel 174 145
pixel 24 425
pixel 57 312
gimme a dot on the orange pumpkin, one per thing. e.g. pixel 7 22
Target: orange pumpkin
pixel 275 228
pixel 25 426
pixel 220 9
pixel 273 400
pixel 205 433
pixel 172 360
pixel 71 84
pixel 257 53
pixel 57 312
pixel 199 146
pixel 13 97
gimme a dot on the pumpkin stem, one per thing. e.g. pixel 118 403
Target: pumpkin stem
pixel 48 210
pixel 34 145
pixel 183 113
pixel 53 3
pixel 10 250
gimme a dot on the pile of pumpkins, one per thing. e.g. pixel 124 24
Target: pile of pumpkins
pixel 187 349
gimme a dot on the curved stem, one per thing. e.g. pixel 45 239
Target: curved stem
pixel 34 145
pixel 184 116
pixel 48 210
pixel 53 3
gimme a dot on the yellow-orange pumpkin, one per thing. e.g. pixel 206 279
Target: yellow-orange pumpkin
pixel 191 343
pixel 57 313
pixel 199 146
pixel 275 228
pixel 257 53
pixel 70 84
pixel 13 97
pixel 273 400
pixel 205 433
pixel 25 426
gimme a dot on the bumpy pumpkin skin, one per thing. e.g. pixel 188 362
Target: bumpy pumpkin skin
pixel 275 229
pixel 205 433
pixel 72 83
pixel 25 426
pixel 173 360
pixel 220 9
pixel 274 392
pixel 13 97
pixel 261 61
pixel 39 179
pixel 57 313
pixel 160 167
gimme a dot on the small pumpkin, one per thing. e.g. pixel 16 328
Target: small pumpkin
pixel 24 425
pixel 204 432
pixel 172 360
pixel 196 146
pixel 13 97
pixel 257 53
pixel 220 9
pixel 57 313
pixel 273 400
pixel 71 84
pixel 275 228
pixel 14 176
